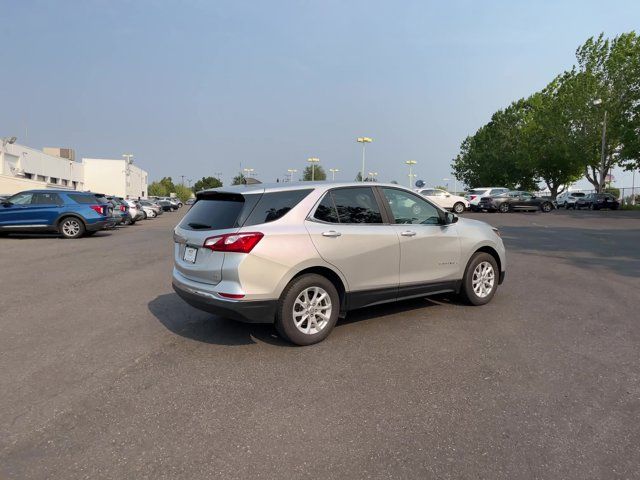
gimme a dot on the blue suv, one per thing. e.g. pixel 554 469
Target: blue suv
pixel 72 214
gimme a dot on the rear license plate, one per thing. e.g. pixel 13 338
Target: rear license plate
pixel 190 254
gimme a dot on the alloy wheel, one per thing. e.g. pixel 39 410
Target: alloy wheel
pixel 483 279
pixel 312 310
pixel 71 227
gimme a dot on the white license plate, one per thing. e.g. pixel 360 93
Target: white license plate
pixel 190 254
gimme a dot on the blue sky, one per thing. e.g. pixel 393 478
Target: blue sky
pixel 197 87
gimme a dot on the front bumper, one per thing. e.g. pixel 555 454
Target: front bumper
pixel 249 311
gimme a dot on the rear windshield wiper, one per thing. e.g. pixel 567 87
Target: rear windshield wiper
pixel 198 226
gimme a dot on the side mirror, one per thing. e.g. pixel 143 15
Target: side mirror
pixel 450 218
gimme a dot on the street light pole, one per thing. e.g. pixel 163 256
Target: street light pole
pixel 363 141
pixel 313 161
pixel 333 173
pixel 291 172
pixel 373 176
pixel 411 163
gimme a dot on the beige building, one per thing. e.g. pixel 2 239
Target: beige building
pixel 118 177
pixel 24 168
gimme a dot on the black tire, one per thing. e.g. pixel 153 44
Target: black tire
pixel 285 324
pixel 71 227
pixel 546 207
pixel 458 208
pixel 467 291
pixel 504 207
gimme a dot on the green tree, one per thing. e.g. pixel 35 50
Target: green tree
pixel 157 189
pixel 608 71
pixel 168 184
pixel 318 174
pixel 238 179
pixel 182 192
pixel 206 183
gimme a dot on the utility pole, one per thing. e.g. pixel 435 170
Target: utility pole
pixel 313 161
pixel 333 173
pixel 182 183
pixel 363 141
pixel 291 172
pixel 410 163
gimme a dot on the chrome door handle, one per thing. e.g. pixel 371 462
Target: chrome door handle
pixel 408 233
pixel 331 233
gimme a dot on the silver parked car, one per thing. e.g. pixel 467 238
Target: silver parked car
pixel 304 254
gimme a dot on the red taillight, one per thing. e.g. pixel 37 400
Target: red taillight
pixel 473 196
pixel 235 296
pixel 98 208
pixel 123 208
pixel 233 242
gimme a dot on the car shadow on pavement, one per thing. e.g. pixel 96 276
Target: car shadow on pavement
pixel 186 321
pixel 25 236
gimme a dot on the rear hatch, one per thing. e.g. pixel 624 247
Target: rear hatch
pixel 475 193
pixel 214 213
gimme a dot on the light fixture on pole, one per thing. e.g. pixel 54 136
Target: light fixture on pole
pixel 372 176
pixel 446 180
pixel 596 103
pixel 411 163
pixel 248 172
pixel 291 172
pixel 313 161
pixel 333 173
pixel 363 141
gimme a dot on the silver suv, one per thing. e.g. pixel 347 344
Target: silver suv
pixel 303 254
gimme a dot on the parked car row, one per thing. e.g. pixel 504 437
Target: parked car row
pixel 72 214
pixel 504 200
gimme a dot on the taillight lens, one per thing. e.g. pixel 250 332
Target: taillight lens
pixel 97 208
pixel 123 208
pixel 233 242
pixel 473 196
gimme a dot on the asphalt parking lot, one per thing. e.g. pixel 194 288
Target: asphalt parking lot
pixel 106 373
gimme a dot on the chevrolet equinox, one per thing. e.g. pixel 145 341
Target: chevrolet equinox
pixel 301 255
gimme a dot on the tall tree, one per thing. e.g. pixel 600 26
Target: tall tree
pixel 168 184
pixel 318 174
pixel 207 182
pixel 157 189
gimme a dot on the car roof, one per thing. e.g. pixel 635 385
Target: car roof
pixel 55 190
pixel 280 187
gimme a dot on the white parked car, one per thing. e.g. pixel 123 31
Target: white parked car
pixel 149 212
pixel 569 199
pixel 445 199
pixel 474 195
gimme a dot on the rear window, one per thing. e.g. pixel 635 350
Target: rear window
pixel 79 198
pixel 477 191
pixel 578 194
pixel 219 210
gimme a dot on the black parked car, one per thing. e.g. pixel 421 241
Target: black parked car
pixel 515 200
pixel 167 206
pixel 596 201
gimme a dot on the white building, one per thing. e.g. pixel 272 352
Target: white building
pixel 118 177
pixel 24 168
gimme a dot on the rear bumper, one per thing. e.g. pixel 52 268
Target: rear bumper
pixel 99 225
pixel 257 311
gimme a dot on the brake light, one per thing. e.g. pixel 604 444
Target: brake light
pixel 97 208
pixel 233 242
pixel 472 197
pixel 123 208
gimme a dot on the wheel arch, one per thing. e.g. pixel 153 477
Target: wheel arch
pixel 491 251
pixel 330 275
pixel 68 215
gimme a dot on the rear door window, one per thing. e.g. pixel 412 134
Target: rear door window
pixel 275 205
pixel 356 205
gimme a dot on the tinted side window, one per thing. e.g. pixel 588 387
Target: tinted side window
pixel 79 198
pixel 326 211
pixel 45 199
pixel 273 206
pixel 356 205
